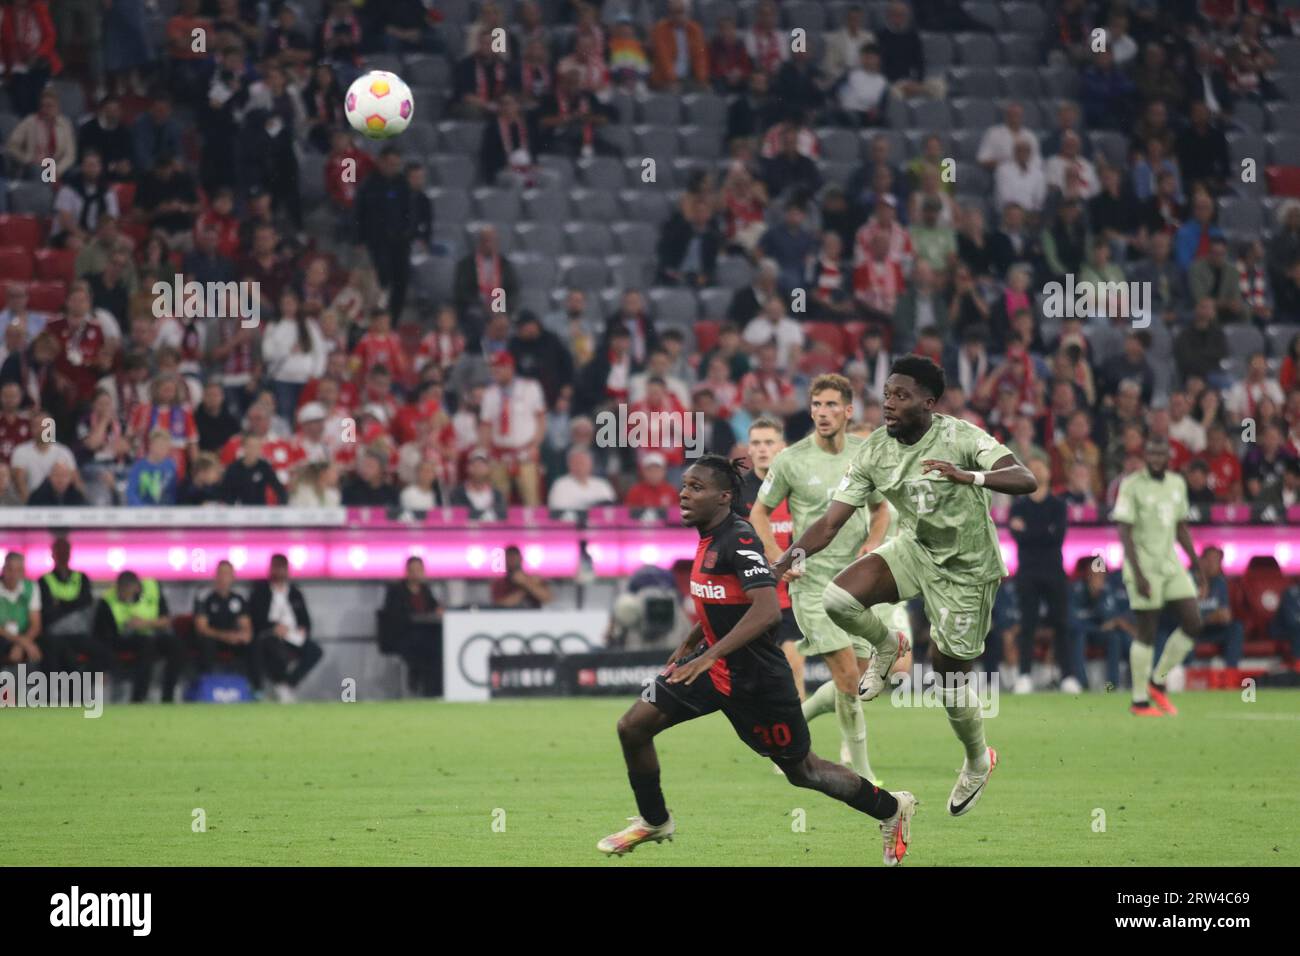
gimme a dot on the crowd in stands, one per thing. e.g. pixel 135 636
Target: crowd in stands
pixel 828 206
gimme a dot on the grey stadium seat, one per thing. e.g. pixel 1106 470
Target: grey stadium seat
pixel 985 12
pixel 620 137
pixel 937 48
pixel 1284 148
pixel 595 204
pixel 450 205
pixel 977 49
pixel 432 71
pixel 672 305
pixel 635 238
pixel 35 198
pixel 645 205
pixel 838 145
pixel 453 172
pixel 1244 340
pixel 1283 116
pixel 535 271
pixel 1240 214
pixel 422 137
pixel 705 109
pixel 1025 18
pixel 976 113
pixel 588 238
pixel 546 205
pixel 1279 338
pixel 974 81
pixel 714 303
pixel 461 136
pixel 1019 82
pixel 930 114
pixel 658 109
pixel 601 172
pixel 497 205
pixel 704 142
pixel 734 272
pixel 809 16
pixel 539 237
pixel 1247 146
pixel 583 272
pixel 1020 50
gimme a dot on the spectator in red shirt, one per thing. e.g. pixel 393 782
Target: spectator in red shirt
pixel 381 346
pixel 653 490
pixel 220 218
pixel 27 46
pixel 1225 469
pixel 729 61
pixel 169 411
pixel 81 339
pixel 345 157
pixel 266 266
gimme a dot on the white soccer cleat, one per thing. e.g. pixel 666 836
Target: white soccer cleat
pixel 631 837
pixel 1024 685
pixel 970 786
pixel 897 830
pixel 1071 685
pixel 875 678
pixel 284 694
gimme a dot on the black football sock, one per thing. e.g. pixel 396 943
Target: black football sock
pixel 873 801
pixel 649 798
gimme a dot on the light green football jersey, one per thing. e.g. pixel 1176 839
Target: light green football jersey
pixel 805 476
pixel 1154 509
pixel 950 521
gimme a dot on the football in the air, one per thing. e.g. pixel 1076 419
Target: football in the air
pixel 379 104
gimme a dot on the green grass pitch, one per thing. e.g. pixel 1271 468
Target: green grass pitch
pixel 538 782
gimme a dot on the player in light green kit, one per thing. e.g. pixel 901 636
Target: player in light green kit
pixel 937 471
pixel 805 475
pixel 1151 511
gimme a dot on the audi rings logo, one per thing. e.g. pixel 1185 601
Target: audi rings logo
pixel 474 664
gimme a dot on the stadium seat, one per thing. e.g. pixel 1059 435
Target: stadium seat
pixel 547 205
pixel 705 109
pixel 21 229
pixel 645 205
pixel 658 109
pixel 701 142
pixel 714 303
pixel 838 145
pixel 583 272
pixel 560 168
pixel 1236 214
pixel 976 113
pixel 1019 82
pixel 35 198
pixel 534 271
pixel 734 272
pixel 496 205
pixel 670 304
pixel 16 264
pixel 450 205
pixel 828 332
pixel 1244 145
pixel 1283 180
pixel 432 71
pixel 635 238
pixel 937 49
pixel 1283 147
pixel 453 172
pixel 1283 116
pixel 1028 19
pixel 602 173
pixel 539 237
pixel 588 238
pixel 1061 84
pixel 422 136
pixel 977 49
pixel 1258 594
pixel 462 136
pixel 706 334
pixel 56 264
pixel 1111 145
pixel 930 114
pixel 1243 340
pixel 973 81
pixel 1020 50
pixel 1249 116
pixel 1279 338
pixel 801 13
pixel 506 238
pixel 49 296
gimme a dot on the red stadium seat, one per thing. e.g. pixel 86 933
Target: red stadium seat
pixel 56 264
pixel 828 332
pixel 125 197
pixel 1258 594
pixel 853 332
pixel 136 231
pixel 21 229
pixel 15 264
pixel 706 335
pixel 48 296
pixel 1283 180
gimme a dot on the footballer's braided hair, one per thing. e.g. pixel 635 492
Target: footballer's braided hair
pixel 728 477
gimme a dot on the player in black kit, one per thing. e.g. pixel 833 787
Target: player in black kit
pixel 731 662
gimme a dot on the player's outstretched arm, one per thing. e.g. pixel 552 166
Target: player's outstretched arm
pixel 764 614
pixel 1007 475
pixel 816 536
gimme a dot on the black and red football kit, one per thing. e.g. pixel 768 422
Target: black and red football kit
pixel 753 685
pixel 783 532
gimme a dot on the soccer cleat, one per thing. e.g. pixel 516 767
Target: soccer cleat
pixel 1145 710
pixel 875 677
pixel 970 786
pixel 1071 685
pixel 629 838
pixel 1161 700
pixel 1024 685
pixel 897 830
